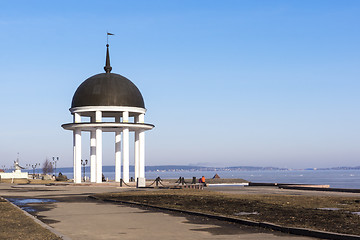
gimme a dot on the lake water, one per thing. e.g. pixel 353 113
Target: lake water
pixel 334 178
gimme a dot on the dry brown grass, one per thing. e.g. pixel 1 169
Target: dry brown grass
pixel 29 181
pixel 14 224
pixel 287 210
pixel 16 181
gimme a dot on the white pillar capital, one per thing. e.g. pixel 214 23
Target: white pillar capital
pixel 141 118
pixel 126 116
pixel 98 116
pixel 77 118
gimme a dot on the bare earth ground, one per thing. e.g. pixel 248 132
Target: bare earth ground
pixel 304 211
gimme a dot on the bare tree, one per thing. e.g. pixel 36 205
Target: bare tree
pixel 47 167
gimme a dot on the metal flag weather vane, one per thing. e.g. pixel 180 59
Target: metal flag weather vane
pixel 107 37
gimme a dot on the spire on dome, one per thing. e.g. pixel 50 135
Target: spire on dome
pixel 107 67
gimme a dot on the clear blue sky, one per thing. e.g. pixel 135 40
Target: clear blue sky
pixel 227 83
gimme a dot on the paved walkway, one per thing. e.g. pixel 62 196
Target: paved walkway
pixel 79 217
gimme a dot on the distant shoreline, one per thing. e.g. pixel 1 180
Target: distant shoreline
pixel 336 178
pixel 181 168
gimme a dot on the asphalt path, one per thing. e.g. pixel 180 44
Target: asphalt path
pixel 78 217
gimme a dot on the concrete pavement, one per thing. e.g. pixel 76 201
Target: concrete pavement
pixel 78 217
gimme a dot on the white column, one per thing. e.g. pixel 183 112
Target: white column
pixel 117 152
pixel 125 148
pixel 77 156
pixel 98 139
pixel 77 150
pixel 92 156
pixel 142 149
pixel 142 154
pixel 136 155
pixel 74 154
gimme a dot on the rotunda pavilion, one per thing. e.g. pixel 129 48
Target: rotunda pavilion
pixel 111 96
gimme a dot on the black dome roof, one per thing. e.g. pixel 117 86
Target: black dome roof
pixel 107 89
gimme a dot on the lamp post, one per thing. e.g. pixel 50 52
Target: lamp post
pixel 55 159
pixel 83 163
pixel 34 168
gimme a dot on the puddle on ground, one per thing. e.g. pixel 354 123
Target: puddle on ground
pixel 22 202
pixel 330 209
pixel 246 213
